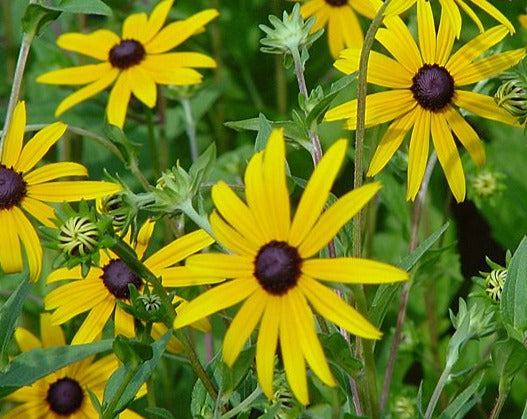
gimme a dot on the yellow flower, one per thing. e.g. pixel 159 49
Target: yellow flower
pixel 63 393
pixel 452 15
pixel 343 26
pixel 273 266
pixel 22 188
pixel 100 290
pixel 137 61
pixel 426 86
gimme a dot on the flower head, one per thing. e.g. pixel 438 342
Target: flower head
pixel 273 266
pixel 340 18
pixel 451 11
pixel 100 290
pixel 426 85
pixel 25 189
pixel 135 62
pixel 63 393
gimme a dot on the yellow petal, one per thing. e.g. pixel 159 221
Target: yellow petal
pixel 175 60
pixel 367 8
pixel 426 31
pixel 330 306
pixel 466 135
pixel 462 5
pixel 344 30
pixel 181 276
pixel 123 323
pixel 163 73
pixel 26 340
pixel 96 44
pixel 418 153
pixel 10 251
pixel 451 17
pixel 65 273
pixel 15 136
pixel 390 142
pixel 396 7
pixel 242 326
pixel 230 238
pixel 179 249
pixel 157 19
pixel 51 334
pixel 135 27
pixel 216 299
pixel 483 106
pixel 266 344
pixel 399 42
pixel 68 191
pixel 142 85
pixel 332 220
pixel 448 156
pixel 294 365
pixel 94 323
pixel 316 193
pixel 53 171
pixel 76 75
pixel 446 33
pixel 42 212
pixel 143 237
pixel 31 243
pixel 221 265
pixel 118 100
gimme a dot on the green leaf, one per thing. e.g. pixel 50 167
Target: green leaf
pixel 386 292
pixel 30 366
pixel 120 377
pixel 92 7
pixel 202 167
pixel 160 412
pixel 36 17
pixel 264 131
pixel 338 353
pixel 291 129
pixel 514 296
pixel 131 352
pixel 232 377
pixel 463 402
pixel 509 356
pixel 9 314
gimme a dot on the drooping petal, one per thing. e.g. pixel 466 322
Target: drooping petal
pixel 157 19
pixel 202 325
pixel 123 323
pixel 367 8
pixel 51 335
pixel 26 340
pixel 221 265
pixel 143 237
pixel 42 212
pixel 316 193
pixel 451 17
pixel 118 100
pixel 76 75
pixel 399 42
pixel 242 326
pixel 39 145
pixel 230 238
pixel 344 30
pixel 87 91
pixel 418 153
pixel 330 306
pixel 179 249
pixel 237 214
pixel 466 135
pixel 396 7
pixel 483 106
pixel 382 70
pixel 274 182
pixel 10 251
pixel 177 32
pixel 448 156
pixel 72 190
pixel 474 48
pixel 317 8
pixel 135 27
pixel 266 344
pixel 380 107
pixel 488 67
pixel 215 299
pixel 94 322
pixel 303 321
pixel 462 5
pixel 142 85
pixel 332 220
pixel 53 171
pixel 426 31
pixel 294 364
pixel 391 141
pixel 31 243
pixel 96 44
pixel 446 33
pixel 15 136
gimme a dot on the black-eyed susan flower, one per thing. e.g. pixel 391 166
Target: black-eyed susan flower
pixel 340 19
pixel 25 189
pixel 451 11
pixel 273 266
pixel 100 290
pixel 135 62
pixel 426 85
pixel 63 393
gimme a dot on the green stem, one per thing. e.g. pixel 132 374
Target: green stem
pixel 27 38
pixel 245 404
pixel 369 380
pixel 190 128
pixel 152 141
pixel 108 413
pixel 437 391
pixel 199 220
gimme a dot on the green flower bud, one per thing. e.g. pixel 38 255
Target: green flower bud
pixel 78 236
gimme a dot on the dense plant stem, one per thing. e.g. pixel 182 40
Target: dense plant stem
pixel 405 294
pixel 23 53
pixel 437 391
pixel 190 128
pixel 369 380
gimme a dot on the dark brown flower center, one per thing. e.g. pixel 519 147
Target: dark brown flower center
pixel 65 396
pixel 277 267
pixel 337 3
pixel 12 187
pixel 116 277
pixel 433 87
pixel 127 53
